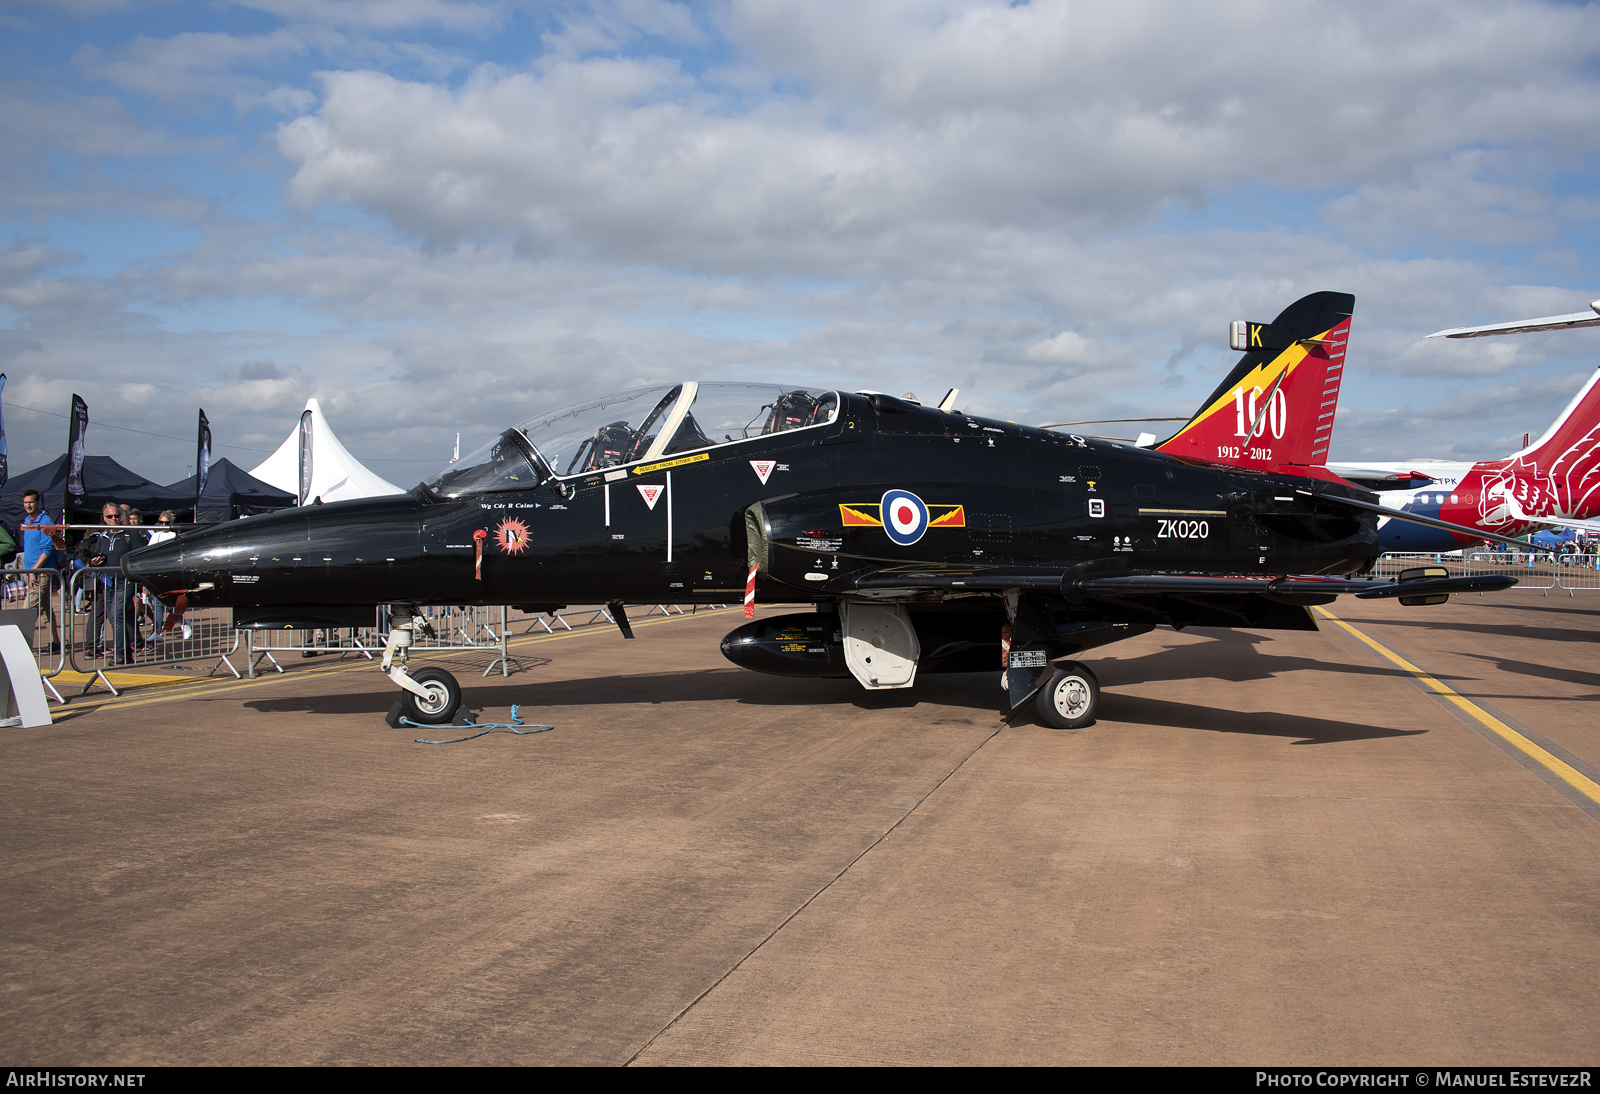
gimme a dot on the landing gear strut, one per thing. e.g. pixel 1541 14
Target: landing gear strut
pixel 431 696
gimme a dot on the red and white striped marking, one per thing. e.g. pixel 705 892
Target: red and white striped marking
pixel 750 594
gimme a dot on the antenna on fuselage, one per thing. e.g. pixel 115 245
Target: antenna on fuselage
pixel 948 403
pixel 457 454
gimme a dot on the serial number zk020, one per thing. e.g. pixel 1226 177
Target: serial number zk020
pixel 1183 529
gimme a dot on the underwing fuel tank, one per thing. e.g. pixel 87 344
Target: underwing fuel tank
pixel 811 644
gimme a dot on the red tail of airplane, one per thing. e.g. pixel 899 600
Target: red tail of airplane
pixel 1558 474
pixel 1274 411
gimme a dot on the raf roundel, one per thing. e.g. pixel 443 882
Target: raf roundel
pixel 905 518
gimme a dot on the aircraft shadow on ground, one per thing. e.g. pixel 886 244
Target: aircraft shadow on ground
pixel 973 691
pixel 1234 656
pixel 1141 710
pixel 1559 609
pixel 969 691
pixel 1498 630
pixel 978 691
pixel 1542 672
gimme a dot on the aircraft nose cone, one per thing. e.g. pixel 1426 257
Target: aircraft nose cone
pixel 158 568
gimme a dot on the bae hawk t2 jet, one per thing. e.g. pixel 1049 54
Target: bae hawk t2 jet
pixel 926 539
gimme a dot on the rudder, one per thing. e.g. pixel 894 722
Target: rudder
pixel 1275 410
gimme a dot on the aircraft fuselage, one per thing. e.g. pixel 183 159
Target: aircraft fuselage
pixel 986 493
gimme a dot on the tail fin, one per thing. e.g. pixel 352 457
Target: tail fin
pixel 1566 459
pixel 1274 412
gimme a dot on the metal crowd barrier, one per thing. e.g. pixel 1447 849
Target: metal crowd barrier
pixel 1535 571
pixel 1577 573
pixel 269 645
pixel 1540 570
pixel 464 628
pixel 1392 564
pixel 31 600
pixel 95 619
pixel 110 622
pixel 457 628
pixel 593 613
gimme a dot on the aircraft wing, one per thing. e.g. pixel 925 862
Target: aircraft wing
pixel 1124 584
pixel 1377 477
pixel 1590 318
pixel 1592 526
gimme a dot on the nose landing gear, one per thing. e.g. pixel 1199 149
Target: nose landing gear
pixel 431 696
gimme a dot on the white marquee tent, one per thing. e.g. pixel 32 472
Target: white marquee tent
pixel 335 474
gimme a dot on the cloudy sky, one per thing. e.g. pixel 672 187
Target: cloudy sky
pixel 442 215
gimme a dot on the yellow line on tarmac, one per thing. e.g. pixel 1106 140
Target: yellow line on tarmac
pixel 1554 764
pixel 210 687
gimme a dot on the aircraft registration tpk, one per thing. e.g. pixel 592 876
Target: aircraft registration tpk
pixel 929 540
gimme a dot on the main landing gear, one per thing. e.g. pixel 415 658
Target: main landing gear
pixel 1068 697
pixel 431 695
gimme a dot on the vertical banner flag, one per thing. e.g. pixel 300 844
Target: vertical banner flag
pixel 305 457
pixel 202 460
pixel 3 473
pixel 77 436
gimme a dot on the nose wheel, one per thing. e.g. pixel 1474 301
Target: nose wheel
pixel 1069 697
pixel 437 707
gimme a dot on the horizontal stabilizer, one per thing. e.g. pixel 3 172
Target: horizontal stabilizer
pixel 1418 518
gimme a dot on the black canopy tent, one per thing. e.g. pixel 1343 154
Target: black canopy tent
pixel 104 480
pixel 232 492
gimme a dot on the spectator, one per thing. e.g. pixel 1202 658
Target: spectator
pixel 39 553
pixel 114 592
pixel 141 599
pixel 158 610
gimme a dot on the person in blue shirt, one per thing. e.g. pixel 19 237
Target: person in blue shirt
pixel 39 553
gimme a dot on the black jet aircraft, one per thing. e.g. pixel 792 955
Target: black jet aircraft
pixel 928 540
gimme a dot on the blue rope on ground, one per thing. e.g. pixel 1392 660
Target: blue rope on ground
pixel 516 725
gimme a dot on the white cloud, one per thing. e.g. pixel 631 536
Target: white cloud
pixel 925 126
pixel 1449 202
pixel 31 118
pixel 187 67
pixel 384 15
pixel 1066 348
pixel 913 195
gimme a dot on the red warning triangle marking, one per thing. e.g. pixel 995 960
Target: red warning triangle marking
pixel 650 494
pixel 763 468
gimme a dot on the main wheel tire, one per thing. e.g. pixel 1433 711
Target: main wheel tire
pixel 1069 697
pixel 443 699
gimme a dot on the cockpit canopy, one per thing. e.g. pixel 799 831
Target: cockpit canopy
pixel 632 427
